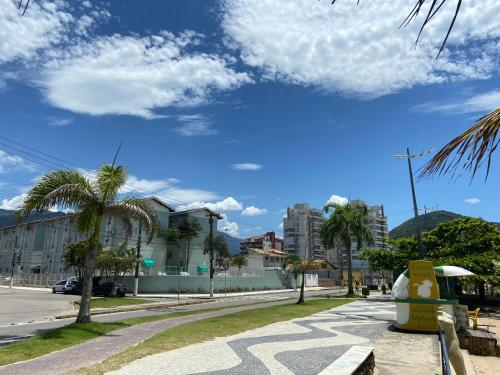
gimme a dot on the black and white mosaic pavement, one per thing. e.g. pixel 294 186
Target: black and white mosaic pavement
pixel 301 346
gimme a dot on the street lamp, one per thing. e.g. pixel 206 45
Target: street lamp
pixel 415 208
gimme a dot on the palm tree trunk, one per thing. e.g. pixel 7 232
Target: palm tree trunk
pixel 302 284
pixel 349 269
pixel 187 254
pixel 90 261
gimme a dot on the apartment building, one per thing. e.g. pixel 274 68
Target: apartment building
pixel 38 246
pixel 266 241
pixel 301 232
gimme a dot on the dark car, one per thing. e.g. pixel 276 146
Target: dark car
pixel 106 288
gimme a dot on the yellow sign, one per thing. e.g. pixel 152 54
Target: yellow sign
pixel 423 280
pixel 422 288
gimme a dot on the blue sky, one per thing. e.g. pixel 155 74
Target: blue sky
pixel 246 106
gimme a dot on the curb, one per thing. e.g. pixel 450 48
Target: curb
pixel 127 308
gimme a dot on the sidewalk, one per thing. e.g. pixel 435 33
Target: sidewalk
pixel 234 294
pixel 308 345
pixel 97 350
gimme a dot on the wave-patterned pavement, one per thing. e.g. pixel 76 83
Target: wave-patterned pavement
pixel 300 346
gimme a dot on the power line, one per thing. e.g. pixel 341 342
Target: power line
pixel 133 189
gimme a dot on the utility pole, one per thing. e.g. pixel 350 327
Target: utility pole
pixel 211 248
pixel 211 251
pixel 137 261
pixel 13 265
pixel 414 198
pixel 415 208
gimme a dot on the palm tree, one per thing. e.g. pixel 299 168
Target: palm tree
pixel 188 229
pixel 91 201
pixel 346 222
pixel 240 261
pixel 172 238
pixel 293 264
pixel 74 258
pixel 219 245
pixel 475 145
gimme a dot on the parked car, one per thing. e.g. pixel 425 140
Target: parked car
pixel 72 287
pixel 106 288
pixel 59 286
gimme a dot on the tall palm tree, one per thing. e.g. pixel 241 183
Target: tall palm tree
pixel 474 146
pixel 346 222
pixel 189 229
pixel 91 201
pixel 296 267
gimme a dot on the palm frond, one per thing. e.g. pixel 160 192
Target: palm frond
pixel 64 188
pixel 110 180
pixel 474 146
pixel 136 209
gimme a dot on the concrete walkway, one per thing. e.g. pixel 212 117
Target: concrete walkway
pixel 308 345
pixel 101 348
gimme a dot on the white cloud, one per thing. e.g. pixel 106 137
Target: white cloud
pixel 57 122
pixel 132 75
pixel 21 37
pixel 280 227
pixel 228 227
pixel 12 163
pixel 246 167
pixel 227 204
pixel 166 190
pixel 13 203
pixel 254 211
pixel 195 125
pixel 483 102
pixel 337 199
pixel 46 25
pixel 359 50
pixel 473 201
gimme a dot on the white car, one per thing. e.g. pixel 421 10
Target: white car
pixel 59 286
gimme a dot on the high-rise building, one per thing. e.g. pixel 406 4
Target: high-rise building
pixel 301 232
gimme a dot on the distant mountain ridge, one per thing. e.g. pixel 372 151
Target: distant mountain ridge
pixel 7 217
pixel 232 242
pixel 427 223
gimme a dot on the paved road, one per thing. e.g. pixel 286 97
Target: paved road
pixel 11 333
pixel 20 305
pixel 309 345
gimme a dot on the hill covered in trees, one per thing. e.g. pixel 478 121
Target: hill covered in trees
pixel 427 223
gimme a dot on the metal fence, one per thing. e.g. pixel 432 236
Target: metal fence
pixel 41 280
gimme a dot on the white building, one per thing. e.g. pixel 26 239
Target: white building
pixel 301 231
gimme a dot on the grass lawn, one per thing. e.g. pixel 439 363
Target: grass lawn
pixel 207 329
pixel 115 301
pixel 73 334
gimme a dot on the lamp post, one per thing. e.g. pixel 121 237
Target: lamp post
pixel 409 156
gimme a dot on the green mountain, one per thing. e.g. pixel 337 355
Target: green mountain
pixel 427 222
pixel 232 242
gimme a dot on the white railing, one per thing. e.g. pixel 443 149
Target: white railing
pixel 34 279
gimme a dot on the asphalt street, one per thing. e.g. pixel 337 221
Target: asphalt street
pixel 20 306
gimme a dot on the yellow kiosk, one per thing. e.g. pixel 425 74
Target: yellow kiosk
pixel 416 293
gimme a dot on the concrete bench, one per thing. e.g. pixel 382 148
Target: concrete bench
pixel 357 360
pixel 477 341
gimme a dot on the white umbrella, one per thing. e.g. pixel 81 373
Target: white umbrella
pixel 400 287
pixel 451 271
